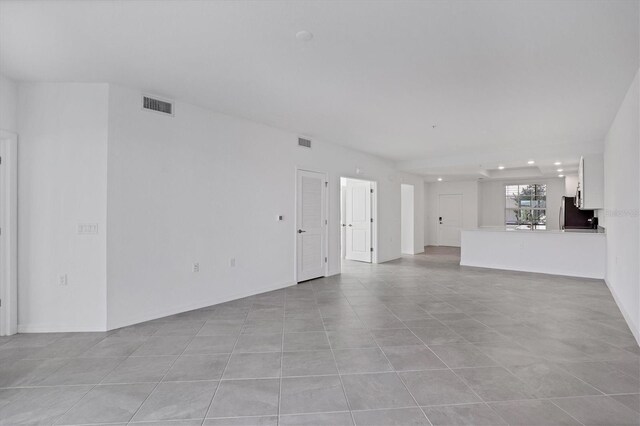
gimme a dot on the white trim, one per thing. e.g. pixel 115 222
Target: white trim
pixel 8 238
pixel 65 328
pixel 325 195
pixel 136 319
pixel 388 259
pixel 626 316
pixel 374 215
pixel 148 316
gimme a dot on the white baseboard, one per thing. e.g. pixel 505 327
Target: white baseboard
pixel 389 259
pixel 147 316
pixel 627 317
pixel 151 315
pixel 532 270
pixel 60 328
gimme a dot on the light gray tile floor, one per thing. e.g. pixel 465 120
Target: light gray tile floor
pixel 416 341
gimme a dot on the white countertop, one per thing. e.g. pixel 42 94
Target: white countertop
pixel 537 231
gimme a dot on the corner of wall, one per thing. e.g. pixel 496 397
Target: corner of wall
pixel 8 104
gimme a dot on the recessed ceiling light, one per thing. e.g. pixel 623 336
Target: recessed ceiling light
pixel 439 179
pixel 561 170
pixel 501 167
pixel 560 175
pixel 531 162
pixel 557 163
pixel 304 35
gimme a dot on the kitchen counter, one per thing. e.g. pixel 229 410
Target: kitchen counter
pixel 543 231
pixel 573 253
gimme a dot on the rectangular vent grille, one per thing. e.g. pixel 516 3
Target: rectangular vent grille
pixel 304 142
pixel 157 105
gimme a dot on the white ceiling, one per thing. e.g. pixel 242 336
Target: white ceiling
pixel 501 80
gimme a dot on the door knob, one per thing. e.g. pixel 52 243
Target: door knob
pixel 350 225
pixel 300 231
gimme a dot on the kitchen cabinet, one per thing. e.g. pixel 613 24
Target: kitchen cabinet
pixel 590 190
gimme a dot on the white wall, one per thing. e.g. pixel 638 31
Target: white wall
pixel 8 104
pixel 570 185
pixel 418 210
pixel 407 222
pixel 492 200
pixel 470 200
pixel 62 181
pixel 206 187
pixel 621 182
pixel 427 214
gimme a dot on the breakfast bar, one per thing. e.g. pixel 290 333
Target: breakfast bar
pixel 571 253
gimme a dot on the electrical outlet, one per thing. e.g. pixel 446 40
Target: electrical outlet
pixel 62 280
pixel 196 267
pixel 232 262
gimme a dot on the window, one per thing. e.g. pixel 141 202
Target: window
pixel 526 206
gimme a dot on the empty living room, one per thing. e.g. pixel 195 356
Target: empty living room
pixel 320 212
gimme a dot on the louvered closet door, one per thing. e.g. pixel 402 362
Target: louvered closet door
pixel 310 220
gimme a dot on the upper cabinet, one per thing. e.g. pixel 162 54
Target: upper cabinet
pixel 590 191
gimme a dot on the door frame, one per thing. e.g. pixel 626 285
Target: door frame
pixel 325 195
pixel 9 240
pixel 374 216
pixel 438 215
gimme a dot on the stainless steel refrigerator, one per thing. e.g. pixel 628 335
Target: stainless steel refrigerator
pixel 572 217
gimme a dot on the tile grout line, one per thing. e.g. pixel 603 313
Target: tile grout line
pixel 394 370
pixel 206 413
pixel 335 362
pixel 506 367
pixel 93 386
pixel 387 302
pixel 284 324
pixel 450 369
pixel 165 375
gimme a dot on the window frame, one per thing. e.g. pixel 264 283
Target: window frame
pixel 531 226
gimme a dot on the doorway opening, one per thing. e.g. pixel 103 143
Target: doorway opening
pixel 449 219
pixel 358 221
pixel 407 219
pixel 8 233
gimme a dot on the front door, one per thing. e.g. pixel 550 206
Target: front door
pixel 358 220
pixel 449 219
pixel 310 221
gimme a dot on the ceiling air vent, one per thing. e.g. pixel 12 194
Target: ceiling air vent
pixel 157 105
pixel 304 142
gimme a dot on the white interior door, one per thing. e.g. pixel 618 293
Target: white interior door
pixel 343 222
pixel 358 220
pixel 311 225
pixel 449 219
